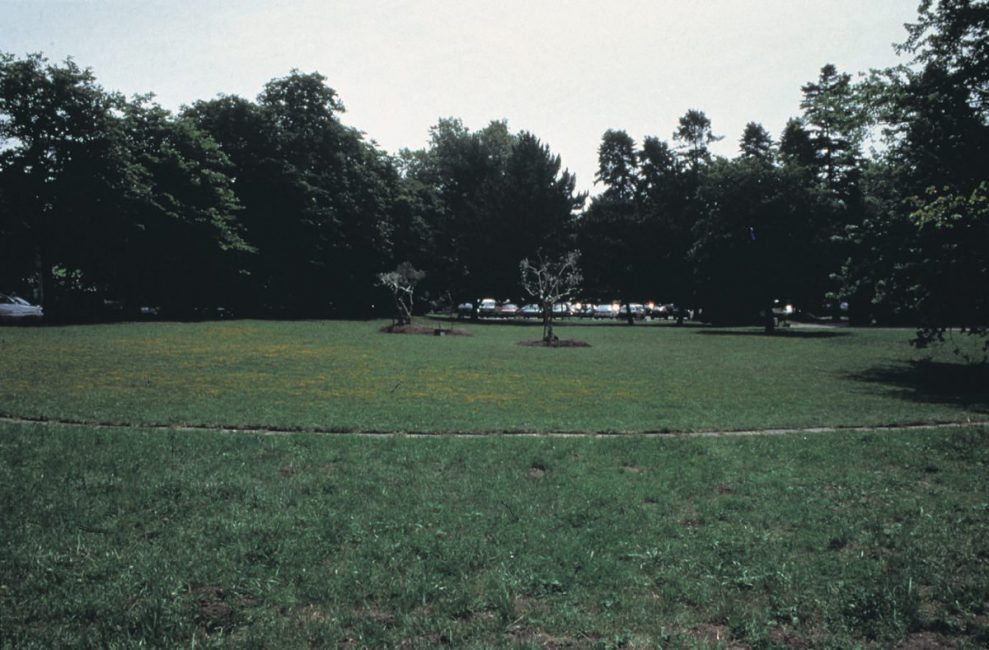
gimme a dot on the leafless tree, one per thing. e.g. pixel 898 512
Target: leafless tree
pixel 550 282
pixel 402 283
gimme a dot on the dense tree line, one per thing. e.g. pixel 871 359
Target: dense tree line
pixel 274 206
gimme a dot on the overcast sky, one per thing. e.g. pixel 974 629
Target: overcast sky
pixel 566 71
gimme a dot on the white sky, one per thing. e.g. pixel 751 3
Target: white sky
pixel 565 70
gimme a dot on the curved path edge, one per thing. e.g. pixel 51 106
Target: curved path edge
pixel 192 428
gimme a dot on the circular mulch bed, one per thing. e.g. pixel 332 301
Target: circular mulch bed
pixel 422 329
pixel 556 343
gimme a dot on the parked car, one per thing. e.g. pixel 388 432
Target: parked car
pixel 507 310
pixel 487 307
pixel 604 311
pixel 638 310
pixel 531 310
pixel 659 310
pixel 584 309
pixel 465 309
pixel 14 309
pixel 561 310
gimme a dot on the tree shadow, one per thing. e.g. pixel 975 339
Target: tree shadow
pixel 779 333
pixel 935 382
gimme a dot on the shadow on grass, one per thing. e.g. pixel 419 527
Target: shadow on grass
pixel 779 334
pixel 934 382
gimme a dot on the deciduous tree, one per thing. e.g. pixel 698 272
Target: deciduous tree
pixel 550 282
pixel 402 283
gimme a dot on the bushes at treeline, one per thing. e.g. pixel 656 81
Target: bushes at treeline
pixel 274 206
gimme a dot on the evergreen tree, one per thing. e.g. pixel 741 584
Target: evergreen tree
pixel 756 143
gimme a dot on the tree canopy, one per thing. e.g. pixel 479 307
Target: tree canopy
pixel 273 205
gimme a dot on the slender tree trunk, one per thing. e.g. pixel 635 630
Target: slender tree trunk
pixel 770 319
pixel 39 269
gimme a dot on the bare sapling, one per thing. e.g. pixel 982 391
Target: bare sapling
pixel 402 283
pixel 551 282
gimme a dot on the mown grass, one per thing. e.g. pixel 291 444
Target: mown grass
pixel 115 538
pixel 347 376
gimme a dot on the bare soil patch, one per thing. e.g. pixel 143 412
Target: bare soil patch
pixel 924 641
pixel 787 639
pixel 555 343
pixel 212 610
pixel 530 637
pixel 715 634
pixel 423 329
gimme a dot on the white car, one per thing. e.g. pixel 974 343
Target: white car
pixel 487 307
pixel 14 309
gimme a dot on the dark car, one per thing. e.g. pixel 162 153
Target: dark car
pixel 531 310
pixel 638 310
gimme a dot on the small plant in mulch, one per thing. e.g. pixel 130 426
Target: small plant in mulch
pixel 422 329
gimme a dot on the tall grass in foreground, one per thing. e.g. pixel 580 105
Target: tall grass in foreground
pixel 118 538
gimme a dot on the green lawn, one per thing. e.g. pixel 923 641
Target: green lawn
pixel 347 376
pixel 127 536
pixel 114 538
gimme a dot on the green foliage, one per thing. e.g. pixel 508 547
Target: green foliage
pixel 617 165
pixel 694 135
pixel 951 35
pixel 948 271
pixel 836 125
pixel 754 241
pixel 756 143
pixel 275 206
pixel 796 148
pixel 919 251
pixel 120 194
pixel 320 204
pixel 494 198
pixel 635 234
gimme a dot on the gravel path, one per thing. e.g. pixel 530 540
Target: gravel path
pixel 10 419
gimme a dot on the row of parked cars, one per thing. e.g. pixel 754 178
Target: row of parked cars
pixel 491 308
